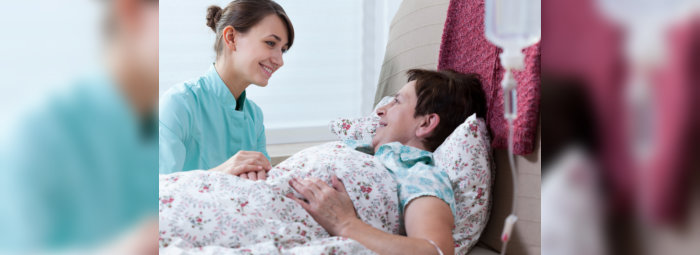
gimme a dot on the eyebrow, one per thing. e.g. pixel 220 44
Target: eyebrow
pixel 276 37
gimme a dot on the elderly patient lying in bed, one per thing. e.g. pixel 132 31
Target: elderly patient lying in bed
pixel 387 196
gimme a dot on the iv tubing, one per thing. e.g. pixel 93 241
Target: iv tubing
pixel 511 160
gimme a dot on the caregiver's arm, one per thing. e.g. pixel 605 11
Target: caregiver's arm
pixel 171 151
pixel 246 164
pixel 426 218
pixel 174 120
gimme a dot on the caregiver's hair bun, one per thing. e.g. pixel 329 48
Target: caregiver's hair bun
pixel 242 15
pixel 213 16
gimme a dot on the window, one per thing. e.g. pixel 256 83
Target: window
pixel 331 70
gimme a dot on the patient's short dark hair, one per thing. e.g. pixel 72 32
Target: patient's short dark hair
pixel 451 95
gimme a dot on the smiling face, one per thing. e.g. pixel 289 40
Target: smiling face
pixel 397 122
pixel 258 52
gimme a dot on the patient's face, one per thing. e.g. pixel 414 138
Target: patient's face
pixel 397 123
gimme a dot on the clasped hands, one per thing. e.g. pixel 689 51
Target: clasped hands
pixel 251 165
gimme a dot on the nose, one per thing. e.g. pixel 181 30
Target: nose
pixel 277 59
pixel 381 111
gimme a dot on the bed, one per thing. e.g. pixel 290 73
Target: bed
pixel 208 212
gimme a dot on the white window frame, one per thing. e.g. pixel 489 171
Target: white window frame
pixel 376 19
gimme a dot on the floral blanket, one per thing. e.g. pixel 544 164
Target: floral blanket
pixel 209 213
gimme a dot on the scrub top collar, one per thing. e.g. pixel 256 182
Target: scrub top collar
pixel 407 155
pixel 216 85
pixel 394 152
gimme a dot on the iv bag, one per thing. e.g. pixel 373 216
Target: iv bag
pixel 513 25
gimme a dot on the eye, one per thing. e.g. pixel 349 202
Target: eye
pixel 284 50
pixel 396 99
pixel 270 43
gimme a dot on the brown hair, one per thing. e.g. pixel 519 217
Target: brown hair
pixel 451 95
pixel 244 14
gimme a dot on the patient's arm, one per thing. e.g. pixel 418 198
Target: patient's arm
pixel 426 218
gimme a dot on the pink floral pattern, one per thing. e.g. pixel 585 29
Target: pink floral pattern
pixel 233 215
pixel 466 156
pixel 359 129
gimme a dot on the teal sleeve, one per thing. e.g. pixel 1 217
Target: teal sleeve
pixel 425 180
pixel 171 151
pixel 260 131
pixel 262 142
pixel 172 132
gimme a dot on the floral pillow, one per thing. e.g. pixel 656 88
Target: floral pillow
pixel 360 129
pixel 465 155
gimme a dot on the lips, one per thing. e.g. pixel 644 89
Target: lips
pixel 267 70
pixel 382 124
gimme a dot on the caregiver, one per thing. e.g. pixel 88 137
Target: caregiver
pixel 207 122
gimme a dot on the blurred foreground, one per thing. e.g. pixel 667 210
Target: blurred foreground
pixel 620 88
pixel 78 136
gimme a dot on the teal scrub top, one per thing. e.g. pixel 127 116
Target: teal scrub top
pixel 201 125
pixel 77 170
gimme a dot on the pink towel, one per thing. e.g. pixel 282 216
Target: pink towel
pixel 465 49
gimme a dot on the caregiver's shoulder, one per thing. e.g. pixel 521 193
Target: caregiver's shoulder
pixel 181 98
pixel 255 110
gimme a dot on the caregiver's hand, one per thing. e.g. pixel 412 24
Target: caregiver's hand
pixel 329 206
pixel 251 165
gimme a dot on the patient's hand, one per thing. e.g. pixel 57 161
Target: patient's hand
pixel 329 206
pixel 251 165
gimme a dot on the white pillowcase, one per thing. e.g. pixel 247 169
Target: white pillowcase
pixel 466 157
